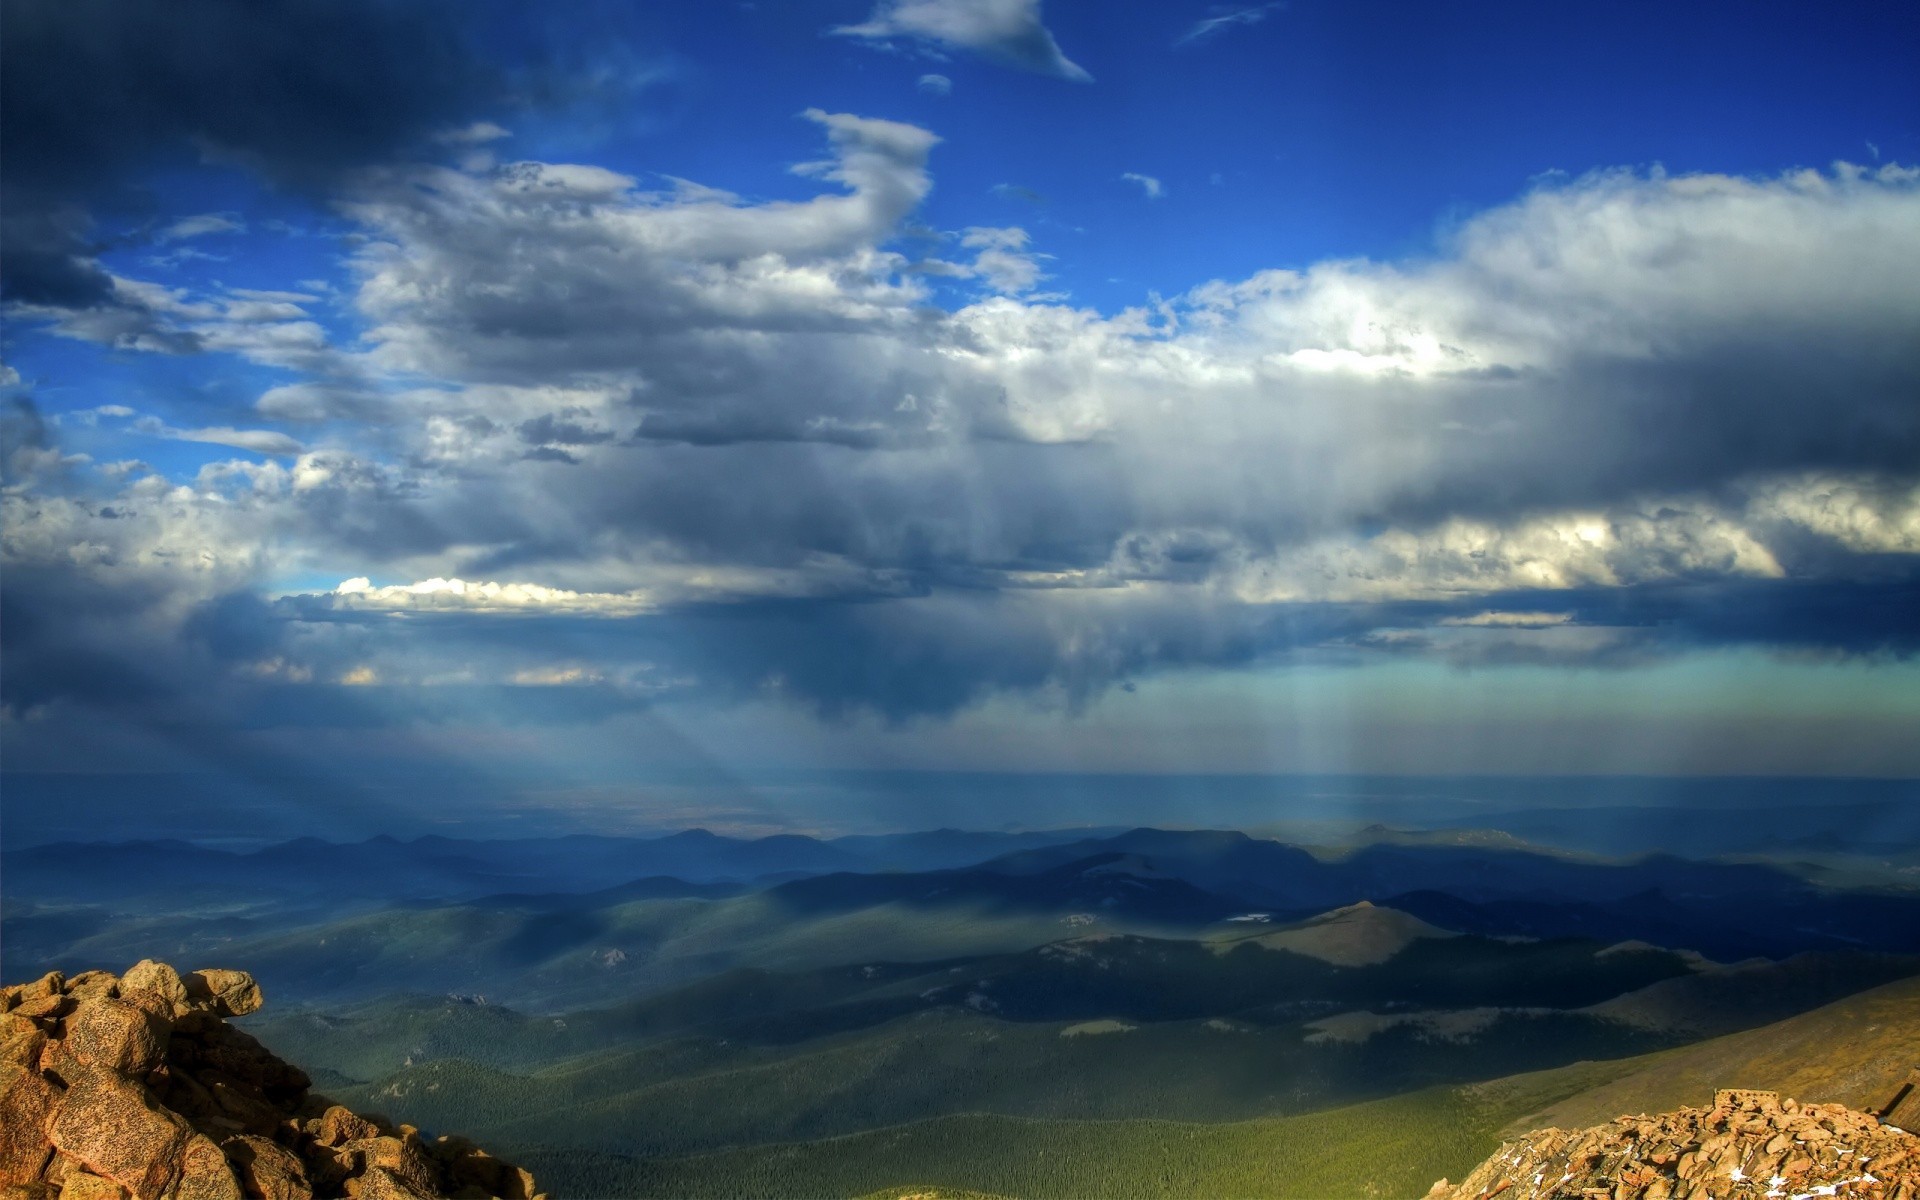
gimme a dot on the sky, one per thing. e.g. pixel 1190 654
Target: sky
pixel 562 394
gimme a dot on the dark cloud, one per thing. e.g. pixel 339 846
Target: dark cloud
pixel 97 89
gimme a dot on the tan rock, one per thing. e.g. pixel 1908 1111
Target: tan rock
pixel 204 1173
pixel 267 1169
pixel 116 1035
pixel 381 1184
pixel 84 1185
pixel 232 993
pixel 93 983
pixel 27 1101
pixel 109 1125
pixel 20 1039
pixel 160 980
pixel 340 1125
pixel 404 1157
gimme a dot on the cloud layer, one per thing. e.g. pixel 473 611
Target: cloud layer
pixel 659 440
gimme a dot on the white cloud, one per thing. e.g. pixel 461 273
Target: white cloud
pixel 1009 31
pixel 258 441
pixel 202 225
pixel 620 401
pixel 457 595
pixel 477 134
pixel 1496 619
pixel 936 85
pixel 1150 186
pixel 1223 20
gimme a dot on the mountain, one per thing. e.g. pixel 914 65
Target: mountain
pixel 1855 1051
pixel 172 875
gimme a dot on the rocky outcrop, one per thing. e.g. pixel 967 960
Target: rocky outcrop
pixel 1749 1144
pixel 137 1086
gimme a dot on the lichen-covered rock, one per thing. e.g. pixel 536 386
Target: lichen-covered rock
pixel 267 1169
pixel 108 1124
pixel 159 980
pixel 1749 1144
pixel 227 993
pixel 105 1032
pixel 84 1185
pixel 27 1100
pixel 137 1087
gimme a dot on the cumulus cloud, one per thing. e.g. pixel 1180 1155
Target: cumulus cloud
pixel 936 85
pixel 732 444
pixel 1149 186
pixel 1008 31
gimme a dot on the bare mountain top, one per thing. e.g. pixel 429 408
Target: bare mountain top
pixel 1749 1144
pixel 136 1085
pixel 1359 935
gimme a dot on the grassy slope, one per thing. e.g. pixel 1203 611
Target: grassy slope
pixel 1855 1052
pixel 1852 1051
pixel 1387 1148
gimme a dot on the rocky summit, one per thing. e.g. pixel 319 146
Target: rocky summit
pixel 137 1086
pixel 1749 1144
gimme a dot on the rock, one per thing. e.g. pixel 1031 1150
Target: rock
pixel 21 1040
pixel 116 1035
pixel 107 1124
pixel 159 980
pixel 340 1125
pixel 204 1173
pixel 230 993
pixel 404 1158
pixel 84 1185
pixel 137 1087
pixel 28 1100
pixel 381 1184
pixel 267 1169
pixel 1734 1148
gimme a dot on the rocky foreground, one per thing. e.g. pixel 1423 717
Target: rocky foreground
pixel 137 1086
pixel 1749 1144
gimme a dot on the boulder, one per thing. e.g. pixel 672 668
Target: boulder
pixel 116 1035
pixel 157 979
pixel 340 1125
pixel 204 1173
pixel 228 993
pixel 107 1124
pixel 267 1169
pixel 28 1101
pixel 84 1185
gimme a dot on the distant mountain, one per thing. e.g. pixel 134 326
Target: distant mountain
pixel 382 870
pixel 1728 910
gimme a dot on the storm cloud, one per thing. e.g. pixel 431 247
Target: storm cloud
pixel 662 441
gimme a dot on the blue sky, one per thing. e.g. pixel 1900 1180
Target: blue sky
pixel 963 384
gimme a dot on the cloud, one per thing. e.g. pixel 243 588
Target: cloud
pixel 1149 186
pixel 936 85
pixel 258 441
pixel 1007 31
pixel 202 225
pixel 750 457
pixel 1223 20
pixel 457 595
